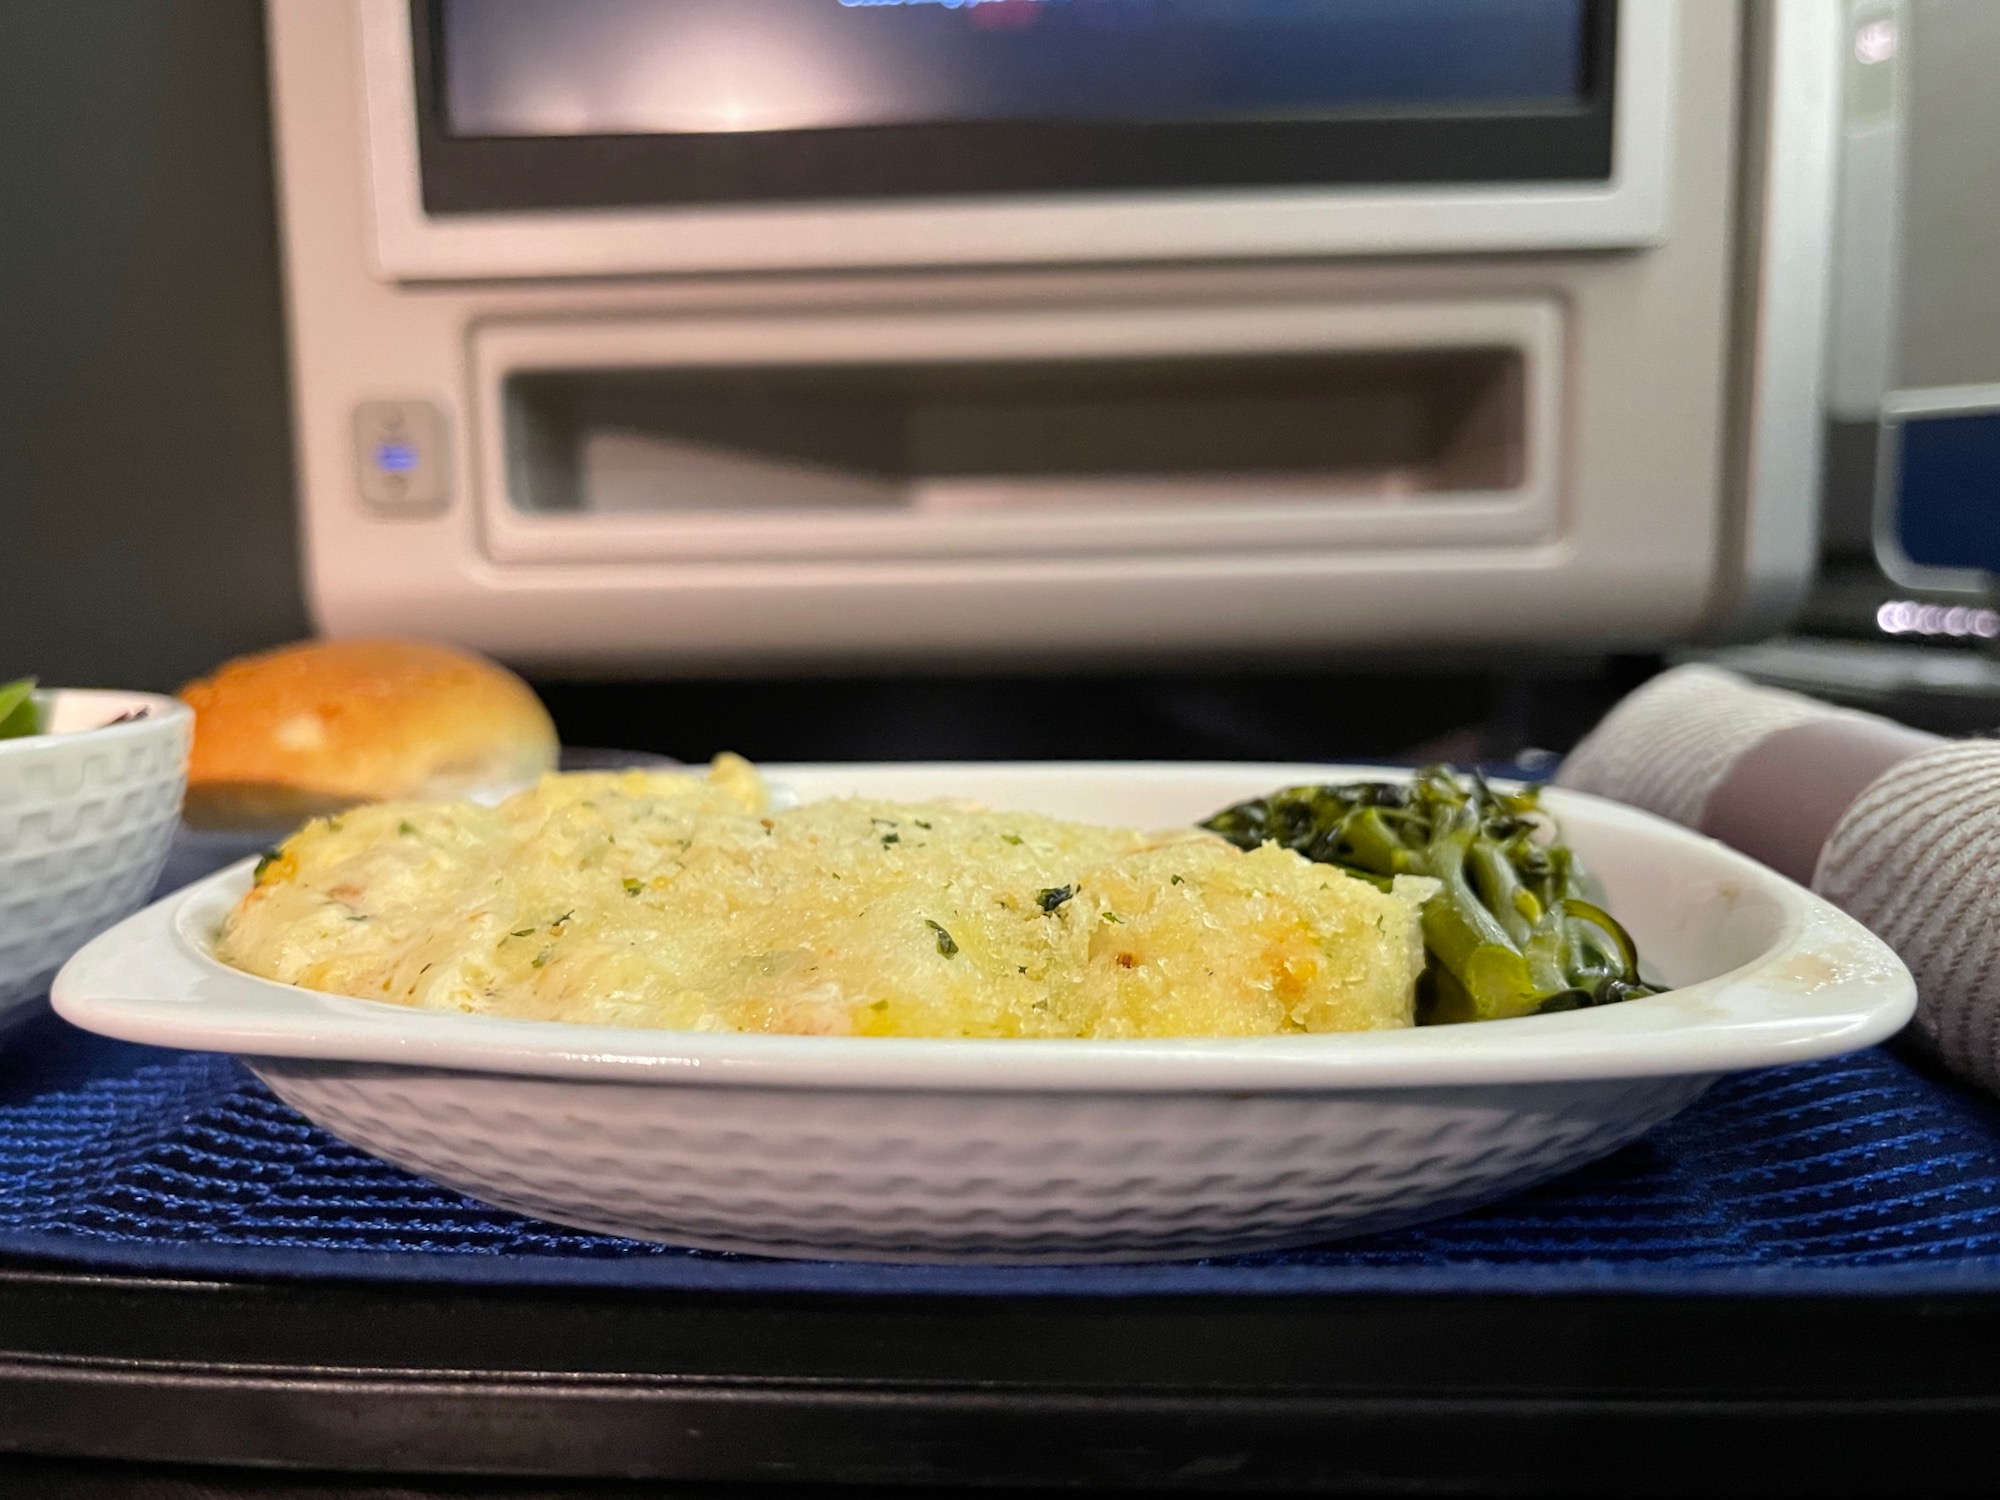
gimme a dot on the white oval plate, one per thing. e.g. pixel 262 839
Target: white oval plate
pixel 909 1149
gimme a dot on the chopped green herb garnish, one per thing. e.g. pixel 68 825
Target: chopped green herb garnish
pixel 1175 880
pixel 541 958
pixel 1011 838
pixel 1054 897
pixel 634 885
pixel 921 824
pixel 891 838
pixel 946 944
pixel 1112 916
pixel 264 862
pixel 522 932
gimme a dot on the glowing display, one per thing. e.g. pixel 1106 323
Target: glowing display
pixel 624 67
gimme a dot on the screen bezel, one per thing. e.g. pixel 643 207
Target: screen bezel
pixel 1560 141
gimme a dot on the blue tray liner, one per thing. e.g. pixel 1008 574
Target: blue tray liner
pixel 1859 1175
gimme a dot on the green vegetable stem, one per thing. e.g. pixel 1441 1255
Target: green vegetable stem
pixel 1511 932
pixel 19 716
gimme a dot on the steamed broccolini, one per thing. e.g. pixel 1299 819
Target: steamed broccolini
pixel 1510 933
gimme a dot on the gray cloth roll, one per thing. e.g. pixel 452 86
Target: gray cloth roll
pixel 1917 859
pixel 1900 829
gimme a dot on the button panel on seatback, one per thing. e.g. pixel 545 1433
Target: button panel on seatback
pixel 400 456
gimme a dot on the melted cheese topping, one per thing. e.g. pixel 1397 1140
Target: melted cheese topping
pixel 683 901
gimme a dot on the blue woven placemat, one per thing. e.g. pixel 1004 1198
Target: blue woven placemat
pixel 1857 1175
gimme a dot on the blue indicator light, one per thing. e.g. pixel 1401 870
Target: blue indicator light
pixel 395 458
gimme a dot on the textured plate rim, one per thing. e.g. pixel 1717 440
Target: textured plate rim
pixel 151 980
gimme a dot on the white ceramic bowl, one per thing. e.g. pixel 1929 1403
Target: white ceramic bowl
pixel 87 810
pixel 924 1150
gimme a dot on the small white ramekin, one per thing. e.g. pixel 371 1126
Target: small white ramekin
pixel 87 811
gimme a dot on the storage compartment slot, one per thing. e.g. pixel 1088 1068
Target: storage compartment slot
pixel 953 435
pixel 1008 434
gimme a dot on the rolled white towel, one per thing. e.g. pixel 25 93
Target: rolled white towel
pixel 1669 745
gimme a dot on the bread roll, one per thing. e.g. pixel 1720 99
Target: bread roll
pixel 304 730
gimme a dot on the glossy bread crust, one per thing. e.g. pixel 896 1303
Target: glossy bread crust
pixel 306 729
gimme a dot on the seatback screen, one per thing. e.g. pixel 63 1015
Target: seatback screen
pixel 664 67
